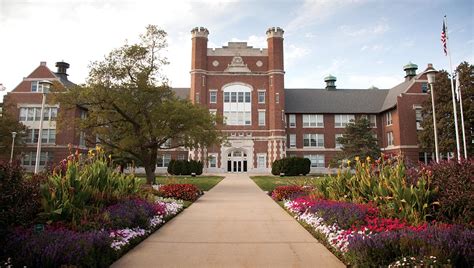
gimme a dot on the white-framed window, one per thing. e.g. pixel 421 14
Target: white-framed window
pixel 167 144
pixel 261 160
pixel 181 157
pixel 372 119
pixel 213 96
pixel 390 138
pixel 292 120
pixel 163 160
pixel 237 105
pixel 388 118
pixel 338 145
pixel 261 117
pixel 212 160
pixel 261 96
pixel 419 118
pixel 341 120
pixel 37 87
pixel 29 158
pixel 33 114
pixel 277 98
pixel 82 139
pixel 198 98
pixel 313 140
pixel 48 136
pixel 313 120
pixel 317 160
pixel 292 138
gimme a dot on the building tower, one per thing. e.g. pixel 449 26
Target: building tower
pixel 198 65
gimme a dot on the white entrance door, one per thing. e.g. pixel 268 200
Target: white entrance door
pixel 237 161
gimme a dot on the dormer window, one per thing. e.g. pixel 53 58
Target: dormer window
pixel 37 87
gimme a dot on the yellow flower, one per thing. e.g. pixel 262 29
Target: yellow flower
pixel 348 162
pixel 368 158
pixel 356 158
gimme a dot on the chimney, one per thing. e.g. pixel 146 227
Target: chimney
pixel 62 67
pixel 330 82
pixel 410 70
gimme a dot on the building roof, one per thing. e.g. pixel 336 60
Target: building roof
pixel 393 93
pixel 310 100
pixel 181 92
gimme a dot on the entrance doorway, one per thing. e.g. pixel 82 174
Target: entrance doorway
pixel 237 161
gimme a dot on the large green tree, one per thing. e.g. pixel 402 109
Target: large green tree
pixel 132 110
pixel 358 140
pixel 8 124
pixel 445 115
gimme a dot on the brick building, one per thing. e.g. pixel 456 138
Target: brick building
pixel 24 103
pixel 264 121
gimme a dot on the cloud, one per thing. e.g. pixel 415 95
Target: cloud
pixel 293 53
pixel 253 40
pixel 354 31
pixel 366 81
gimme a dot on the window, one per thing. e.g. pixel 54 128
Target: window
pixel 424 87
pixel 213 96
pixel 419 118
pixel 390 138
pixel 237 105
pixel 29 159
pixel 316 160
pixel 388 118
pixel 341 120
pixel 292 119
pixel 338 145
pixel 48 136
pixel 261 96
pixel 261 160
pixel 292 141
pixel 198 100
pixel 313 140
pixel 261 117
pixel 166 144
pixel 277 98
pixel 82 139
pixel 212 160
pixel 33 113
pixel 163 160
pixel 313 120
pixel 372 119
pixel 181 157
pixel 37 87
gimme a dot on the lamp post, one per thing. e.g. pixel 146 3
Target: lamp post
pixel 43 84
pixel 13 146
pixel 431 74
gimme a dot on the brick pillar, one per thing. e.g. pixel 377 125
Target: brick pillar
pixel 198 92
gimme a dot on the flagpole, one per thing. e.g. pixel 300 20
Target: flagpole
pixel 458 86
pixel 452 92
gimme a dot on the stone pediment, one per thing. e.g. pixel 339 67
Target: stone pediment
pixel 237 66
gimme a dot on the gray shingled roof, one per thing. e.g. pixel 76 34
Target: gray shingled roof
pixel 391 99
pixel 182 93
pixel 309 100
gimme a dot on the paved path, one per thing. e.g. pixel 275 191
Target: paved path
pixel 234 225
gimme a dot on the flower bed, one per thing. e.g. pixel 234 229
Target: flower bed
pixel 365 239
pixel 187 192
pixel 56 246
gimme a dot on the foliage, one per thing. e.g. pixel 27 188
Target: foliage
pixel 187 192
pixel 9 124
pixel 288 192
pixel 58 247
pixel 291 166
pixel 85 188
pixel 455 182
pixel 132 110
pixel 204 183
pixel 358 140
pixel 450 244
pixel 20 199
pixel 383 182
pixel 131 213
pixel 444 112
pixel 185 167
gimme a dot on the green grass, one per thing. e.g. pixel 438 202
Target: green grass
pixel 204 183
pixel 268 183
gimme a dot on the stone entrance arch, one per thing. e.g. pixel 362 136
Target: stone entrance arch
pixel 236 160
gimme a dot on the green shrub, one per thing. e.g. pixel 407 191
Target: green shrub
pixel 291 166
pixel 85 188
pixel 184 167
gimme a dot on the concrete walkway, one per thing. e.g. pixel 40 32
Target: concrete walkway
pixel 234 225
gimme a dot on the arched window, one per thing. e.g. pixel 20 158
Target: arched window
pixel 237 105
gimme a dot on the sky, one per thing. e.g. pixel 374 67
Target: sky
pixel 363 43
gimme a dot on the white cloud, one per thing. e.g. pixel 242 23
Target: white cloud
pixel 293 53
pixel 253 40
pixel 354 31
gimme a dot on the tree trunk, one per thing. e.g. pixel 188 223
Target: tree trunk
pixel 150 165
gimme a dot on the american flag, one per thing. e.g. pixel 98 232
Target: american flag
pixel 443 39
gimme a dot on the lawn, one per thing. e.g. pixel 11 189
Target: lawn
pixel 268 183
pixel 204 183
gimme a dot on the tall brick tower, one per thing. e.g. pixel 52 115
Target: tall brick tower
pixel 198 65
pixel 245 85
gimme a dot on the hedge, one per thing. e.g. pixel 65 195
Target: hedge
pixel 291 166
pixel 184 167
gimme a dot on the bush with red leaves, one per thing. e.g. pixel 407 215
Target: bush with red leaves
pixel 289 192
pixel 187 192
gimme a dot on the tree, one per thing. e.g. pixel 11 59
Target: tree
pixel 358 140
pixel 132 110
pixel 8 125
pixel 445 115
